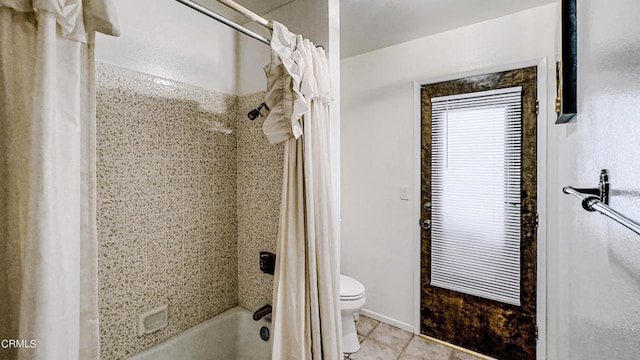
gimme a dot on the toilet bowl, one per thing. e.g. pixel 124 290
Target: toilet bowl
pixel 351 301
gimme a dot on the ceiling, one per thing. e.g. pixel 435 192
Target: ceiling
pixel 367 25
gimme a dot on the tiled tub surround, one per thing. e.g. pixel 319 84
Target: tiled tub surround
pixel 166 205
pixel 260 169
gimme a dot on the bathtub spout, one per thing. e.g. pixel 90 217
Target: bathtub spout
pixel 262 312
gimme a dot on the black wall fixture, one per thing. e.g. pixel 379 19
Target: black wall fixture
pixel 567 69
pixel 267 262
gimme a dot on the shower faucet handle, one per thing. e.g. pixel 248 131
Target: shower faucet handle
pixel 267 262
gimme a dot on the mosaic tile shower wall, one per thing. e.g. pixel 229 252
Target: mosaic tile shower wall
pixel 167 218
pixel 260 169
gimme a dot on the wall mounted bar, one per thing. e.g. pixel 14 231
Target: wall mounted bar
pixel 239 8
pixel 597 199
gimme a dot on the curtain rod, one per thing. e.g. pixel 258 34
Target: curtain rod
pixel 247 13
pixel 239 8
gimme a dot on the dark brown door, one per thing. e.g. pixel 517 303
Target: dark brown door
pixel 489 327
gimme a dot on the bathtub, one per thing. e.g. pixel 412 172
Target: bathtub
pixel 231 335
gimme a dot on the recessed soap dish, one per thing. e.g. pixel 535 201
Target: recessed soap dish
pixel 152 320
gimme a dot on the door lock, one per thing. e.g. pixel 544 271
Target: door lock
pixel 426 225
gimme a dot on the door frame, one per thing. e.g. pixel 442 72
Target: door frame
pixel 541 202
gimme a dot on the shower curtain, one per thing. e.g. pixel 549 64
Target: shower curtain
pixel 48 248
pixel 306 318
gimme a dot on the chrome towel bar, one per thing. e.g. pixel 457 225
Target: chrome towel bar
pixel 597 199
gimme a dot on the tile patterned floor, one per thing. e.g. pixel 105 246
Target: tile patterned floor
pixel 380 341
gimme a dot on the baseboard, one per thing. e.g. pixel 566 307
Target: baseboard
pixel 388 320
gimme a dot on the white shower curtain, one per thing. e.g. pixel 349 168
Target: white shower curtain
pixel 48 248
pixel 306 319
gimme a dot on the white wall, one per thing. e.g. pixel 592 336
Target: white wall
pixel 378 147
pixel 167 39
pixel 596 287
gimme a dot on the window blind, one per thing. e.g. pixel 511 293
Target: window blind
pixel 475 193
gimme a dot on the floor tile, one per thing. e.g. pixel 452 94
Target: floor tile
pixel 423 349
pixel 390 336
pixel 365 325
pixel 371 349
pixel 381 341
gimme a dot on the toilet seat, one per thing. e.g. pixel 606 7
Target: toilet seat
pixel 350 289
pixel 351 298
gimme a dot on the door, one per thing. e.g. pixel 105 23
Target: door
pixel 498 329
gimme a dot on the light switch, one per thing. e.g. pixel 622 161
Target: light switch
pixel 404 192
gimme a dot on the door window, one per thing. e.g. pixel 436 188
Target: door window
pixel 475 191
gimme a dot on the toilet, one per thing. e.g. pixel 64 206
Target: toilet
pixel 351 301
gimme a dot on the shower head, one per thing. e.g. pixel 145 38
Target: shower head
pixel 255 113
